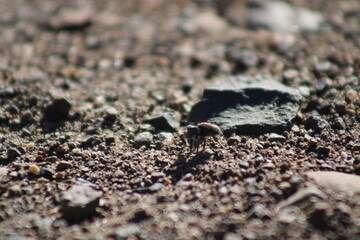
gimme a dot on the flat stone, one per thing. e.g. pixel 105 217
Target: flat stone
pixel 57 110
pixel 79 202
pixel 336 181
pixel 278 16
pixel 248 105
pixel 165 122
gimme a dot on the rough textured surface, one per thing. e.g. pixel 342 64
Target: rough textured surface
pixel 248 105
pixel 130 60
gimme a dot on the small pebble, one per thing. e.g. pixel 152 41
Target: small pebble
pixel 126 155
pixel 351 95
pixel 34 169
pixel 274 137
pixel 165 137
pixel 143 139
pixel 13 153
pixel 76 151
pixel 339 123
pixel 316 123
pixel 343 155
pixel 111 113
pixel 340 108
pixel 58 110
pixel 62 166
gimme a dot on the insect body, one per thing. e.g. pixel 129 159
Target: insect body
pixel 196 134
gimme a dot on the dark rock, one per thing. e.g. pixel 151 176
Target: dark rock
pixel 62 166
pixel 58 110
pixel 316 123
pixel 340 108
pixel 248 105
pixel 319 217
pixel 47 173
pixel 356 148
pixel 139 216
pixel 187 86
pixel 278 16
pixel 13 153
pixel 325 108
pixel 165 122
pixel 109 140
pixel 92 141
pixel 79 202
pixel 323 151
pixel 143 139
pixel 51 159
pixel 26 118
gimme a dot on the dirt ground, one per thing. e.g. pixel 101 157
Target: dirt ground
pixel 79 79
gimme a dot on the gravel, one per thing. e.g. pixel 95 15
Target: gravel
pixel 79 80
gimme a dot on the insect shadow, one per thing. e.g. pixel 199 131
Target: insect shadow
pixel 184 165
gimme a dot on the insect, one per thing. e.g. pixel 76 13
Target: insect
pixel 196 134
